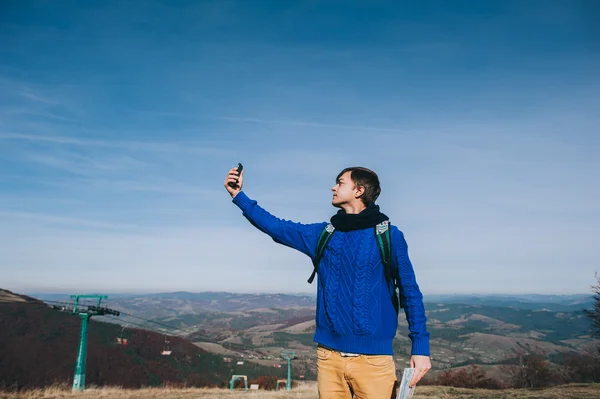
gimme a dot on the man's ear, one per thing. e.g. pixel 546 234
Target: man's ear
pixel 360 190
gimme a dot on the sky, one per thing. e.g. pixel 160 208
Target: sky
pixel 119 121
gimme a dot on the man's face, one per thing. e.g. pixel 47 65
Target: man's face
pixel 344 191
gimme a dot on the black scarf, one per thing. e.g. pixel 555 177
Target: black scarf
pixel 368 217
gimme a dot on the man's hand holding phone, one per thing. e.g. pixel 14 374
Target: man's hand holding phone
pixel 234 180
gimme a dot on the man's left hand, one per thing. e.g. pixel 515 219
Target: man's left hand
pixel 421 364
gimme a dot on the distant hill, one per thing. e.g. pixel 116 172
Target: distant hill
pixel 551 298
pixel 38 347
pixel 557 303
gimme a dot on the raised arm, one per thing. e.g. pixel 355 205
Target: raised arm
pixel 302 237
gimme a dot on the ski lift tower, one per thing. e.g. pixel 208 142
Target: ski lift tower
pixel 85 314
pixel 289 355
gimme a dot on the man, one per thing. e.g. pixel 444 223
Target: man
pixel 356 319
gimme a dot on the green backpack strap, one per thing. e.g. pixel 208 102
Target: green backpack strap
pixel 321 244
pixel 384 242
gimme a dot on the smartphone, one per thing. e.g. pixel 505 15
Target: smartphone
pixel 239 171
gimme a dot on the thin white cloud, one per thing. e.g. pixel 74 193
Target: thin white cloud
pixel 36 97
pixel 277 122
pixel 32 99
pixel 53 219
pixel 161 185
pixel 12 112
pixel 128 145
pixel 81 164
pixel 309 124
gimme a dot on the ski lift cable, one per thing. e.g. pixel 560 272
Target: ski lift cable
pixel 142 326
pixel 145 327
pixel 129 315
pixel 170 327
pixel 135 324
pixel 158 323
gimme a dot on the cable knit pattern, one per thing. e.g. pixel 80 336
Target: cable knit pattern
pixel 362 278
pixel 354 308
pixel 345 287
pixel 329 276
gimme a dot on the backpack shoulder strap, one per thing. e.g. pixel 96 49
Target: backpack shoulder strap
pixel 322 242
pixel 384 242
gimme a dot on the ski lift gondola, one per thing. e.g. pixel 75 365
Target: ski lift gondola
pixel 166 351
pixel 121 340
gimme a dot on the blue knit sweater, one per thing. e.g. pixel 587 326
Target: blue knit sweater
pixel 354 307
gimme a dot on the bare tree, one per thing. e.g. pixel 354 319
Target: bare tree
pixel 468 377
pixel 533 370
pixel 594 312
pixel 582 366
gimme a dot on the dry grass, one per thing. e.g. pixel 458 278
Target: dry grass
pixel 306 391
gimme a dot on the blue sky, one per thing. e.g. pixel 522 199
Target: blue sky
pixel 119 121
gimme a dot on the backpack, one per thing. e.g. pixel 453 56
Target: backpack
pixel 384 242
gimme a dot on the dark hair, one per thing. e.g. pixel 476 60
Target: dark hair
pixel 366 178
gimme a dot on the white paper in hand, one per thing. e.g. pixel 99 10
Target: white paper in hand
pixel 404 392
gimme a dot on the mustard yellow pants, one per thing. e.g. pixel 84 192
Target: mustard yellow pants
pixel 361 377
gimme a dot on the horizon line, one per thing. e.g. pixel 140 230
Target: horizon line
pixel 152 292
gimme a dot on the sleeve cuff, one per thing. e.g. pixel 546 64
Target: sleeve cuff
pixel 420 346
pixel 242 201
